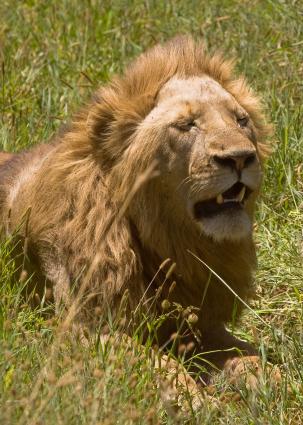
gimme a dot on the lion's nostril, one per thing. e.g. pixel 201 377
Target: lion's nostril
pixel 225 161
pixel 236 160
pixel 249 160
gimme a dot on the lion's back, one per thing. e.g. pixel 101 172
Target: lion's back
pixel 15 171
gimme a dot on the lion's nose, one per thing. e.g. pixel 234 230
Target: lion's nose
pixel 235 160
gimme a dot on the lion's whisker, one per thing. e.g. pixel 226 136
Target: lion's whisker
pixel 186 180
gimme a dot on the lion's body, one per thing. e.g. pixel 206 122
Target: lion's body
pixel 67 192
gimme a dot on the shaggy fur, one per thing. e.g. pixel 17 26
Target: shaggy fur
pixel 61 196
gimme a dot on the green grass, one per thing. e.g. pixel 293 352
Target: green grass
pixel 53 55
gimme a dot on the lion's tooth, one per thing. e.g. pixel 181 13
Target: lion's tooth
pixel 241 194
pixel 220 199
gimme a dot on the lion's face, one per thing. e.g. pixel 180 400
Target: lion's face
pixel 209 162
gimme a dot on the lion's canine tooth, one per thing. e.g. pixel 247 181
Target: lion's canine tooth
pixel 241 194
pixel 220 199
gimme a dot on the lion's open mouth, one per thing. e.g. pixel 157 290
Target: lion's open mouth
pixel 231 199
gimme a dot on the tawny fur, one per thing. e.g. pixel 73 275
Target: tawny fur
pixel 66 192
pixel 4 156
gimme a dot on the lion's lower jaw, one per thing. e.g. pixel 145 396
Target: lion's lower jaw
pixel 227 227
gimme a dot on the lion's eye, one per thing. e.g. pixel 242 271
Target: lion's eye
pixel 242 121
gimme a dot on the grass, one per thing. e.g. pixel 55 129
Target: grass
pixel 53 55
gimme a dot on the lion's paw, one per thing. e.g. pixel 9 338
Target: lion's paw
pixel 250 372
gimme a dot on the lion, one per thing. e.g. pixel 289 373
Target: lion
pixel 182 114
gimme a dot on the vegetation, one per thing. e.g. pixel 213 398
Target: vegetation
pixel 53 55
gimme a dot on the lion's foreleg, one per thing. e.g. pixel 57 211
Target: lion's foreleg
pixel 238 359
pixel 220 346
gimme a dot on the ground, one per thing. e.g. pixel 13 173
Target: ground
pixel 53 54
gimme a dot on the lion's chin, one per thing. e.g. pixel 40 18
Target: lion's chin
pixel 227 226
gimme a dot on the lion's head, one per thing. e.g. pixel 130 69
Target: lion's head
pixel 184 108
pixel 208 154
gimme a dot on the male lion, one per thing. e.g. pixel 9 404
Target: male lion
pixel 73 200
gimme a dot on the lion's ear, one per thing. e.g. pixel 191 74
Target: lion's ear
pixel 113 119
pixel 100 126
pixel 109 132
pixel 99 120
